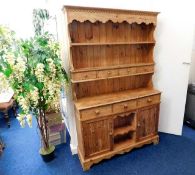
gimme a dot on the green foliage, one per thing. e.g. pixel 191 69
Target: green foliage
pixel 40 17
pixel 34 71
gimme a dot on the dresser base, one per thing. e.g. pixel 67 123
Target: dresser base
pixel 87 163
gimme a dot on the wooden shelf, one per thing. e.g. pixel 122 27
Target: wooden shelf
pixel 112 67
pixel 113 43
pixel 123 130
pixel 111 98
pixel 118 76
pixel 123 144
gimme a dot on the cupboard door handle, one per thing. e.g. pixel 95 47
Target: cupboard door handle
pixel 149 100
pixel 125 106
pixel 97 112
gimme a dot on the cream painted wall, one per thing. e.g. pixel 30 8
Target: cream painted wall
pixel 18 15
pixel 192 67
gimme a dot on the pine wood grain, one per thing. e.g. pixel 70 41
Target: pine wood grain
pixel 116 106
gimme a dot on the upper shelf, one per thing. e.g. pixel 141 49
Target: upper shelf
pixel 103 15
pixel 113 43
pixel 112 67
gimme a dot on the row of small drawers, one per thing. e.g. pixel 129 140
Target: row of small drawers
pixel 120 107
pixel 87 75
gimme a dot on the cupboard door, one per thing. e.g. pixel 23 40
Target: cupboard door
pixel 97 136
pixel 147 122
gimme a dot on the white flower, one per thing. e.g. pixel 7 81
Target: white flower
pixel 52 66
pixel 10 59
pixel 39 72
pixel 29 120
pixel 21 65
pixel 34 95
pixel 19 69
pixel 4 84
pixel 22 123
pixel 23 102
pixel 21 119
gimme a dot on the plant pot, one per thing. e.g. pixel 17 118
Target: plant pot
pixel 47 155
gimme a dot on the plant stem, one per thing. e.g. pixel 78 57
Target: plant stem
pixel 42 124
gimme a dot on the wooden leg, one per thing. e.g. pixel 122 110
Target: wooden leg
pixel 14 109
pixel 156 141
pixel 2 144
pixel 86 166
pixel 7 119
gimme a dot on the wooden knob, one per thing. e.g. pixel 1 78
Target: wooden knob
pixel 149 100
pixel 125 106
pixel 109 72
pixel 86 76
pixel 97 112
pixel 138 125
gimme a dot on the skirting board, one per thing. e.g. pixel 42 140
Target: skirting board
pixel 73 149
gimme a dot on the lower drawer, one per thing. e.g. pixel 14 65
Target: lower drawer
pixel 124 106
pixel 147 101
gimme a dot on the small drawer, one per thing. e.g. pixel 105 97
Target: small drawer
pixel 83 75
pixel 145 69
pixel 96 112
pixel 147 101
pixel 127 71
pixel 107 73
pixel 124 106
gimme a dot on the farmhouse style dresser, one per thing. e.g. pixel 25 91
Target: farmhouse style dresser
pixel 111 66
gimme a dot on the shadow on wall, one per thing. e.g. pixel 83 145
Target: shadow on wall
pixel 192 66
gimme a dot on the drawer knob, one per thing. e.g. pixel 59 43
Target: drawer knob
pixel 125 106
pixel 149 100
pixel 86 76
pixel 109 72
pixel 145 69
pixel 97 112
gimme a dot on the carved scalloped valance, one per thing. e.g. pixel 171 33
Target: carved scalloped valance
pixel 82 14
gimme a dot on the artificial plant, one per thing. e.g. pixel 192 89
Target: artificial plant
pixel 34 71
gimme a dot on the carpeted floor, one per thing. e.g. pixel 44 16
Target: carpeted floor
pixel 173 156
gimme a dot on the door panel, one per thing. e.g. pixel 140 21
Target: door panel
pixel 97 136
pixel 147 122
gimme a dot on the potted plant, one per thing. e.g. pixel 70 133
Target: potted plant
pixel 34 71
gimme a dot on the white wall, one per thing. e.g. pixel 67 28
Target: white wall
pixel 192 67
pixel 18 15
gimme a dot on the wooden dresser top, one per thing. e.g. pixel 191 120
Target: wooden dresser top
pixel 103 15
